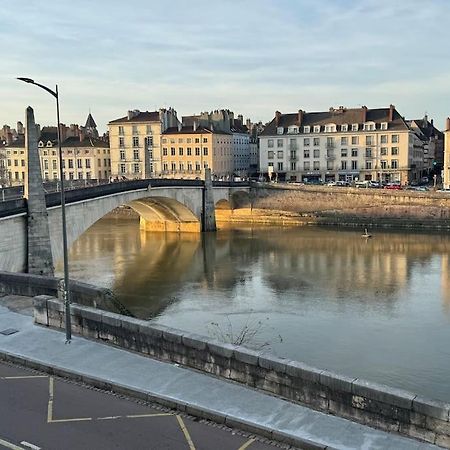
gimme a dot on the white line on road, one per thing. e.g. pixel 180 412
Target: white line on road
pixel 32 446
pixel 10 446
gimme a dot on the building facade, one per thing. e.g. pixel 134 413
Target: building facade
pixel 135 142
pixel 341 144
pixel 188 150
pixel 446 164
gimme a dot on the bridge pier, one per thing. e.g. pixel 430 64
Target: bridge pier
pixel 39 251
pixel 208 208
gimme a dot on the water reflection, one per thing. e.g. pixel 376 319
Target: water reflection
pixel 376 308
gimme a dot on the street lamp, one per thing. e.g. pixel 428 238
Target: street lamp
pixel 65 290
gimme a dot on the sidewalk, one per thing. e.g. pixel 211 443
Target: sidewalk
pixel 188 390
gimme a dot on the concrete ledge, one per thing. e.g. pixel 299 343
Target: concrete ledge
pixel 372 404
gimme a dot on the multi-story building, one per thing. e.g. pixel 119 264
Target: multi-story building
pixel 341 144
pixel 135 142
pixel 85 156
pixel 190 149
pixel 446 165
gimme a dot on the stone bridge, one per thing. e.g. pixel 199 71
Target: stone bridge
pixel 165 205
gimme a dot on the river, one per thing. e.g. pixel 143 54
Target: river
pixel 374 308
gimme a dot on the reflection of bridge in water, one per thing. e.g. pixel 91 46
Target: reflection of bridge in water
pixel 152 270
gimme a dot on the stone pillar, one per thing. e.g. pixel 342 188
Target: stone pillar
pixel 208 209
pixel 39 252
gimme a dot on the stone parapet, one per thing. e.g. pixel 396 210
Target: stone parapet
pixel 369 403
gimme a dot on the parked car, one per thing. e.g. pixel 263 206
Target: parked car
pixel 374 184
pixel 394 186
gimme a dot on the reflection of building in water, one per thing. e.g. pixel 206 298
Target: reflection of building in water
pixel 445 281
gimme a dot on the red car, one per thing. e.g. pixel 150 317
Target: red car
pixel 395 186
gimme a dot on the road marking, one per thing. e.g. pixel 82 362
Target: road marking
pixel 22 377
pixel 247 444
pixel 9 445
pixel 50 400
pixel 186 433
pixel 109 418
pixel 136 416
pixel 79 419
pixel 32 446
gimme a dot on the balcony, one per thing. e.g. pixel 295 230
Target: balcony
pixel 293 157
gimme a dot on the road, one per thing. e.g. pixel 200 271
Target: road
pixel 43 412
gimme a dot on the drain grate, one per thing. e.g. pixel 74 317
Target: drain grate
pixel 8 331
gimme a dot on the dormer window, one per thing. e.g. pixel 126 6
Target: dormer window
pixel 316 128
pixel 293 129
pixel 280 130
pixel 369 126
pixel 354 127
pixel 49 144
pixel 306 129
pixel 384 125
pixel 344 127
pixel 41 144
pixel 330 128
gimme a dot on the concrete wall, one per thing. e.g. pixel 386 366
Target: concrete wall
pixel 350 205
pixel 360 400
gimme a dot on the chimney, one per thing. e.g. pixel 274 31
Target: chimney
pixel 432 122
pixel 179 126
pixel 81 136
pixel 194 125
pixel 277 117
pixel 299 117
pixel 363 114
pixel 447 127
pixel 130 115
pixel 391 113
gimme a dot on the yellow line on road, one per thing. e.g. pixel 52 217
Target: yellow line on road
pixel 9 445
pixel 186 433
pixel 247 444
pixel 50 400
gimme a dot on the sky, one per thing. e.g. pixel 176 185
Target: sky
pixel 251 56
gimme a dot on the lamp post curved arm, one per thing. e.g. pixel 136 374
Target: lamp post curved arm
pixel 66 290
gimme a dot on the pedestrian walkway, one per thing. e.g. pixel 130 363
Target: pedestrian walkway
pixel 214 398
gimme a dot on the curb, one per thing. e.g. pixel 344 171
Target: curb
pixel 193 410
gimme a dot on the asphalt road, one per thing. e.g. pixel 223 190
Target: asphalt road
pixel 38 411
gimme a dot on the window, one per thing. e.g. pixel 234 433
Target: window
pixel 280 166
pixel 306 153
pixel 370 126
pixel 189 151
pixel 354 152
pixel 173 167
pixel 189 140
pixel 181 167
pixel 121 130
pixel 384 164
pixel 70 163
pixel 368 165
pixel 306 142
pixel 354 165
pixel 383 151
pixel 165 167
pixel 80 161
pixel 88 163
pixel 172 151
pixel 197 165
pixel 205 139
pixel 180 151
pixel 316 128
pixel 344 127
pixel 329 165
pixel 384 126
pixel 135 129
pixel 280 154
pixel 189 165
pixel 316 141
pixel 149 129
pixel 368 152
pixel 149 141
pixel 395 138
pixel 316 165
pixel 292 130
pixel 135 141
pixel 270 143
pixel 343 165
pixel 394 151
pixel 344 140
pixel 331 128
pixel 293 165
pixel 279 143
pixel 136 154
pixel 197 151
pixel 197 140
pixel 384 139
pixel 306 129
pixel 164 151
pixel 355 127
pixel 306 165
pixel 54 164
pixel 369 140
pixel 121 142
pixel 280 130
pixel 344 153
pixel 394 164
pixel 122 168
pixel 205 151
pixel 316 153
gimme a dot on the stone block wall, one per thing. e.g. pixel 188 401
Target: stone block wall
pixel 369 403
